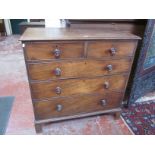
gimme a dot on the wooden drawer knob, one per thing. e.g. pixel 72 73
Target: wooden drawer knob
pixel 57 71
pixel 106 85
pixel 113 51
pixel 58 90
pixel 59 107
pixel 109 68
pixel 57 53
pixel 103 102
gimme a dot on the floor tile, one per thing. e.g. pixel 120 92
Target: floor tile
pixel 14 82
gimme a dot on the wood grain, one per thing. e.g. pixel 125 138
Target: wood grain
pixel 98 49
pixel 76 116
pixel 45 50
pixel 76 69
pixel 45 90
pixel 83 80
pixel 76 105
pixel 42 34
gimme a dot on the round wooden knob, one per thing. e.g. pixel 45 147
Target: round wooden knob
pixel 106 85
pixel 109 68
pixel 113 51
pixel 103 102
pixel 59 107
pixel 57 71
pixel 58 90
pixel 57 53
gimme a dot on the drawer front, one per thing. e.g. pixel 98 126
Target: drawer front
pixel 45 90
pixel 78 68
pixel 68 106
pixel 49 50
pixel 111 48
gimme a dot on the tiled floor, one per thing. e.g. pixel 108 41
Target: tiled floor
pixel 13 81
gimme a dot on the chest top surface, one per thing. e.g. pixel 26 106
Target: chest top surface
pixel 47 34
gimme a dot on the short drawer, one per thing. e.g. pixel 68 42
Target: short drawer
pixel 66 87
pixel 99 49
pixel 70 106
pixel 78 68
pixel 51 50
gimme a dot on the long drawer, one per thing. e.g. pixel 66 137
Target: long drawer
pixel 69 106
pixel 66 87
pixel 77 68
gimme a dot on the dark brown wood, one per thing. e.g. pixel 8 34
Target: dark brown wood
pixel 117 115
pixel 77 68
pixel 42 34
pixel 136 28
pixel 37 20
pixel 45 50
pixel 104 21
pixel 44 90
pixel 56 119
pixel 74 49
pixel 38 128
pixel 99 49
pixel 76 105
pixel 24 25
pixel 76 73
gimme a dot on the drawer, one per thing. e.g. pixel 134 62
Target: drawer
pixel 44 90
pixel 109 48
pixel 78 68
pixel 69 106
pixel 50 50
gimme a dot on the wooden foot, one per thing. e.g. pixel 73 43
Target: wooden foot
pixel 117 115
pixel 38 128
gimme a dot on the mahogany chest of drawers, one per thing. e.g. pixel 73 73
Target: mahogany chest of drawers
pixel 75 73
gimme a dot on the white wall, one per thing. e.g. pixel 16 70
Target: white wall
pixel 8 26
pixel 55 23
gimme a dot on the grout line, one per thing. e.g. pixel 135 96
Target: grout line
pixel 100 128
pixel 127 125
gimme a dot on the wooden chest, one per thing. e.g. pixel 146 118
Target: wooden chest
pixel 76 72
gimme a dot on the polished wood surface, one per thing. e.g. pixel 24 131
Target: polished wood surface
pixel 45 90
pixel 24 25
pixel 78 68
pixel 77 72
pixel 99 49
pixel 136 28
pixel 45 50
pixel 76 116
pixel 93 49
pixel 76 105
pixel 35 34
